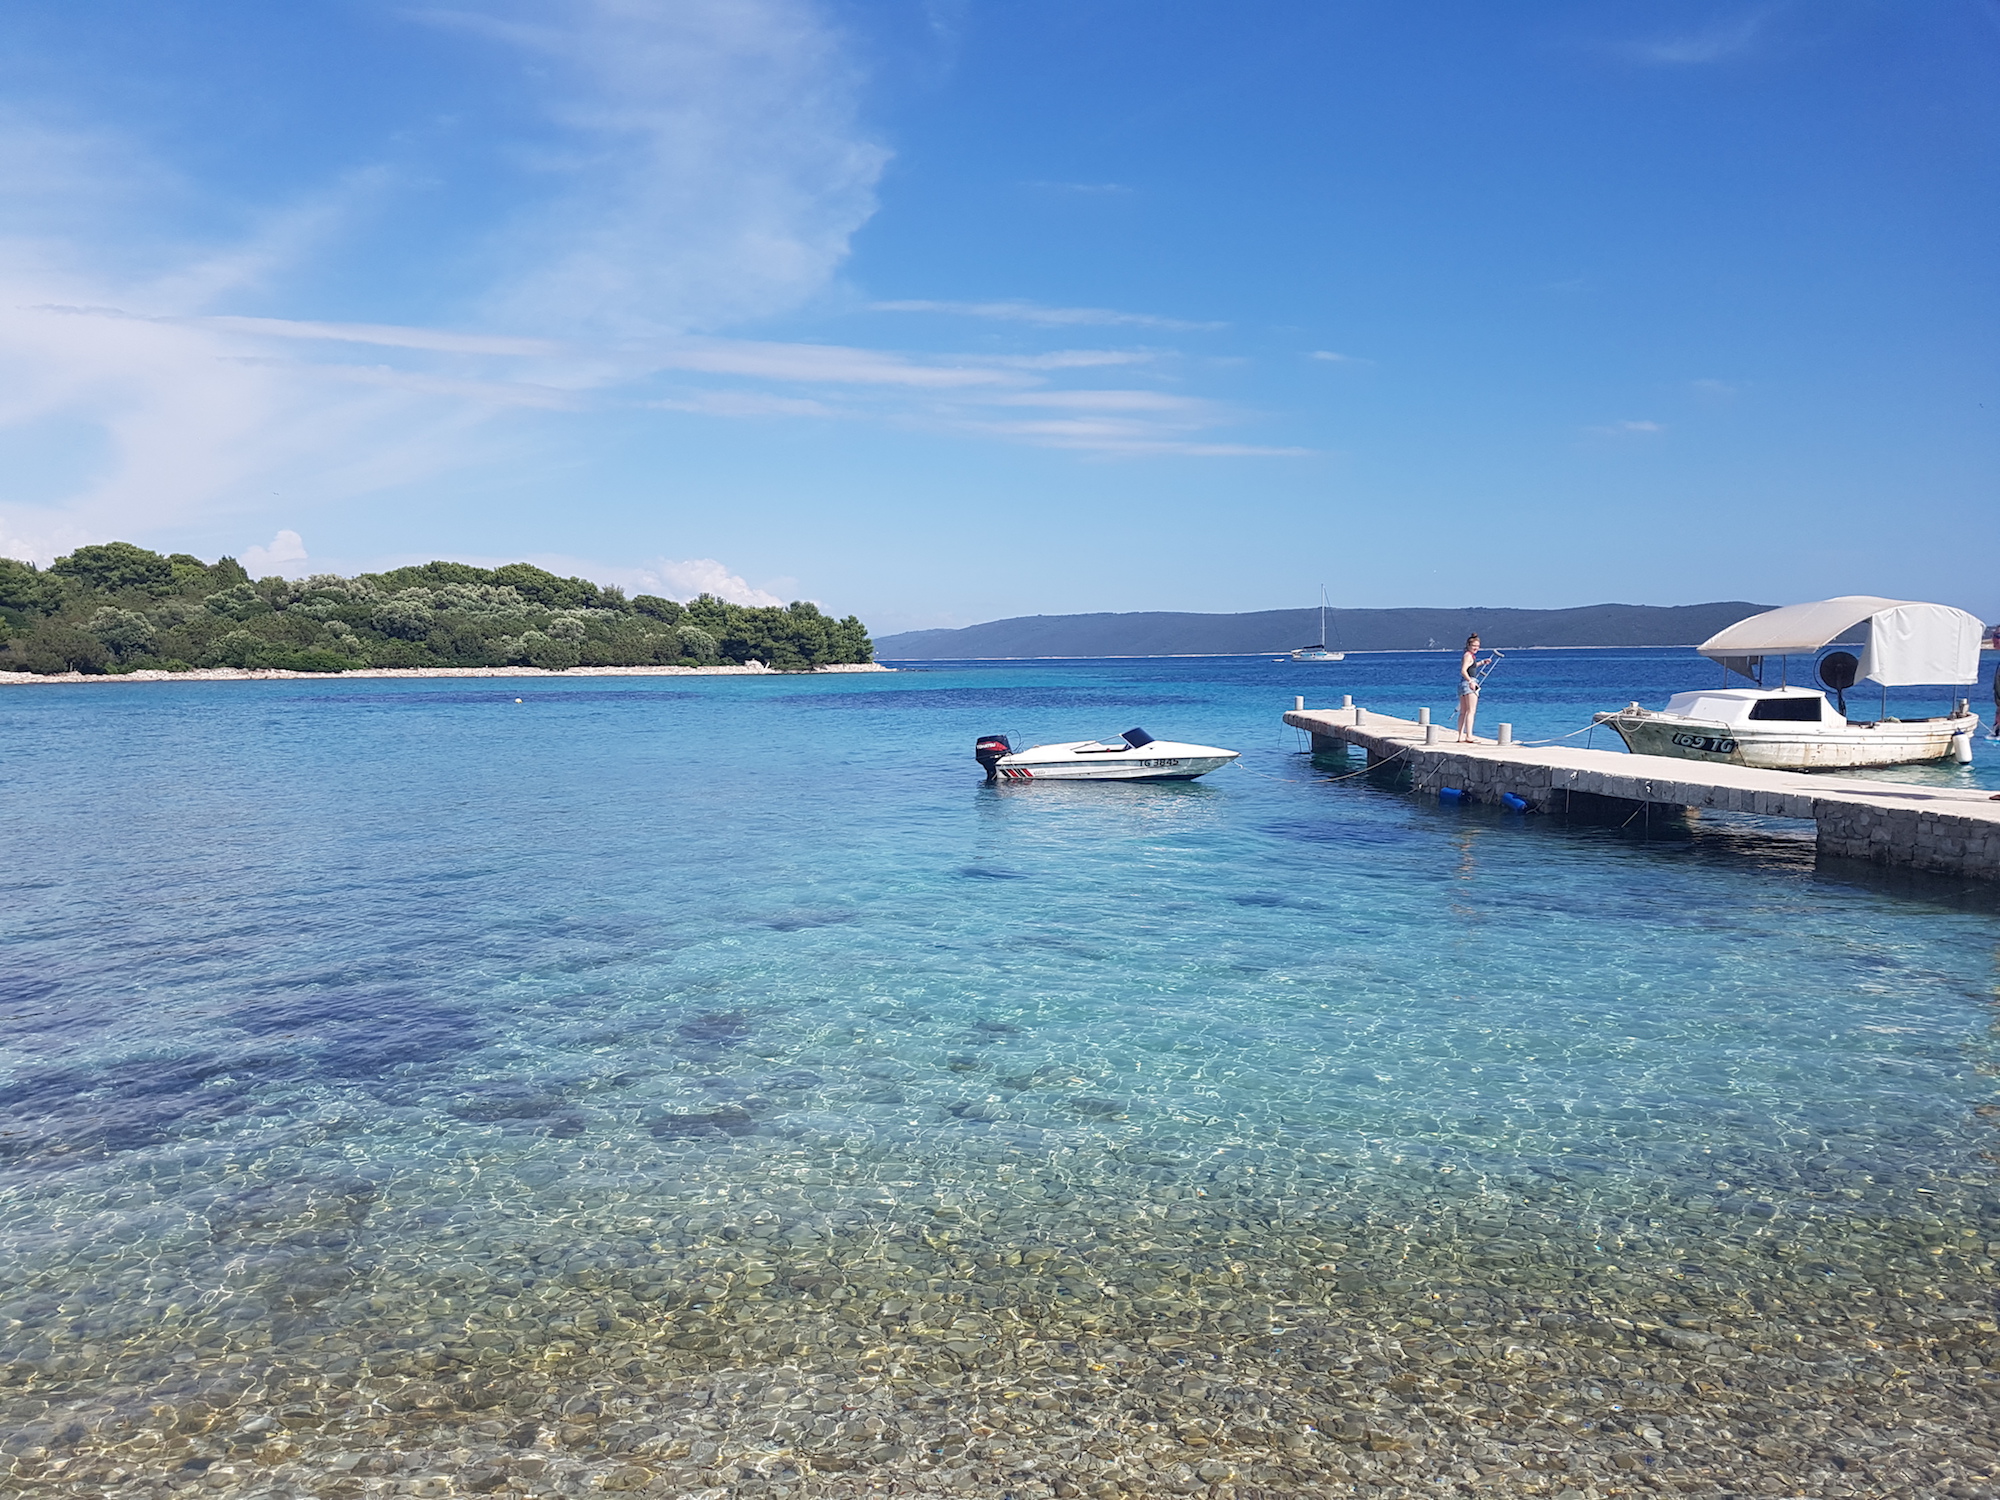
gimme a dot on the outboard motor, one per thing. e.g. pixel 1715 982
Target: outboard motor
pixel 989 750
pixel 1138 739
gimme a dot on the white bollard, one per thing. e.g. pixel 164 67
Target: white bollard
pixel 1433 733
pixel 1506 734
pixel 1298 705
pixel 1347 700
pixel 1357 716
pixel 1423 716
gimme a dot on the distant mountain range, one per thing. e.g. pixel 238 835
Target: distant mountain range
pixel 1277 630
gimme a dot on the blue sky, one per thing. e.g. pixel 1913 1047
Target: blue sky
pixel 939 312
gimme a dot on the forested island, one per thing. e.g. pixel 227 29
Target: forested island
pixel 115 607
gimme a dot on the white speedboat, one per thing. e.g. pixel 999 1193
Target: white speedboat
pixel 1133 756
pixel 1787 728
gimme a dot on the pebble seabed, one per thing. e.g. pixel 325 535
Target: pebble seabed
pixel 797 1317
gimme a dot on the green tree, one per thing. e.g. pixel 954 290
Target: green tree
pixel 25 587
pixel 657 608
pixel 117 566
pixel 543 587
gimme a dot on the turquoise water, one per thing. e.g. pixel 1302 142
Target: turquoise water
pixel 483 1067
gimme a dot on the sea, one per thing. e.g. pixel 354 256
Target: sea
pixel 711 1086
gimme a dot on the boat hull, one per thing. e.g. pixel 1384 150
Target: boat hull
pixel 1791 747
pixel 1090 760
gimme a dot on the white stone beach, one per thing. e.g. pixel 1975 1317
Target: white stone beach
pixel 240 674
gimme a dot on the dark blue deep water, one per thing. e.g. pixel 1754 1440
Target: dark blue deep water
pixel 542 1035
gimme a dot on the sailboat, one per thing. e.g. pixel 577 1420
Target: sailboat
pixel 1319 650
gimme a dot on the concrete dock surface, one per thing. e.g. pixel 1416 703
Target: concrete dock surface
pixel 1947 830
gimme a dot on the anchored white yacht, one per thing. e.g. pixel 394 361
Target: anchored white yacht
pixel 1134 756
pixel 1786 728
pixel 1319 651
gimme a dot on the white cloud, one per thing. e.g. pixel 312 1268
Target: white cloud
pixel 1042 316
pixel 685 578
pixel 1332 358
pixel 286 547
pixel 707 167
pixel 1639 428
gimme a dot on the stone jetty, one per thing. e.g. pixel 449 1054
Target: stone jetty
pixel 1945 830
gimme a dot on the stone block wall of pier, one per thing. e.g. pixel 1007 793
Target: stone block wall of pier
pixel 1945 830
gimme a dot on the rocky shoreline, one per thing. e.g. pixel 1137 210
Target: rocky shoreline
pixel 240 674
pixel 1016 1342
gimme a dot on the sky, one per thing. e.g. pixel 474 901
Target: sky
pixel 938 311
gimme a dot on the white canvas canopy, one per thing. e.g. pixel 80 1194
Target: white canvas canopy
pixel 1909 644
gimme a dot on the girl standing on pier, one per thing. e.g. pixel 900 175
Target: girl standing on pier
pixel 1468 688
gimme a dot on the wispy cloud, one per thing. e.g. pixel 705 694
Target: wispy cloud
pixel 747 404
pixel 1043 316
pixel 387 336
pixel 1131 401
pixel 1725 37
pixel 1082 189
pixel 824 364
pixel 705 165
pixel 1070 359
pixel 1113 437
pixel 715 167
pixel 702 164
pixel 1330 357
pixel 1632 428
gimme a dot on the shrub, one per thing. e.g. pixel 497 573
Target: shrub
pixel 238 602
pixel 53 646
pixel 554 655
pixel 696 643
pixel 400 654
pixel 124 631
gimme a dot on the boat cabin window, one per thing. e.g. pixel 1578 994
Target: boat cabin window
pixel 1794 710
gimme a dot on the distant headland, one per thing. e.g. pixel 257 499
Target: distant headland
pixel 115 608
pixel 1170 634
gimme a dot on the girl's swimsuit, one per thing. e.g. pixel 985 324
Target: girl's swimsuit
pixel 1467 684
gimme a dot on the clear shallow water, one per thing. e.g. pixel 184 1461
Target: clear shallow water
pixel 415 1067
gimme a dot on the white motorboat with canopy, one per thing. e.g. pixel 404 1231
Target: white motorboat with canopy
pixel 1904 644
pixel 1133 756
